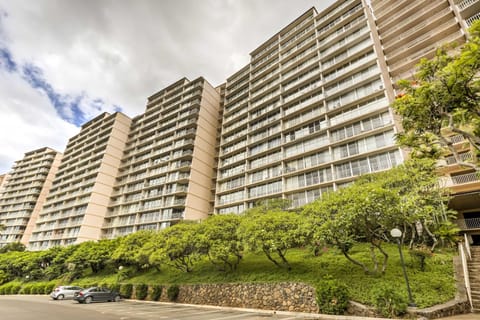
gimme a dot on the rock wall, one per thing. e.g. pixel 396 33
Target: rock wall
pixel 296 297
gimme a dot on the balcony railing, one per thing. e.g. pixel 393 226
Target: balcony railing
pixel 466 3
pixel 466 156
pixel 457 138
pixel 472 19
pixel 466 178
pixel 469 223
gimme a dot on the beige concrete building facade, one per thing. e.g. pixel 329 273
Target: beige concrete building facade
pixel 412 30
pixel 309 113
pixel 23 195
pixel 409 31
pixel 168 168
pixel 76 206
pixel 3 181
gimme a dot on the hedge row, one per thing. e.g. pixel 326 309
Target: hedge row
pixel 27 288
pixel 127 290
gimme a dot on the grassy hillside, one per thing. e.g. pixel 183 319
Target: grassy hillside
pixel 433 286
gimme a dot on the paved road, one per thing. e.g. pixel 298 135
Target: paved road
pixel 43 308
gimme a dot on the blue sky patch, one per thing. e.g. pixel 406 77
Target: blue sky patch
pixel 68 107
pixel 6 60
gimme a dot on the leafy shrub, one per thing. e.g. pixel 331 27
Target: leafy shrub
pixel 3 277
pixel 39 288
pixel 388 302
pixel 15 289
pixel 332 296
pixel 27 288
pixel 2 290
pixel 141 291
pixel 49 287
pixel 8 288
pixel 156 292
pixel 33 289
pixel 172 292
pixel 115 287
pixel 420 254
pixel 126 290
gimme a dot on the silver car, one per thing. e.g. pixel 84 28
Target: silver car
pixel 64 292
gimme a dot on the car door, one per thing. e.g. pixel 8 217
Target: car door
pixel 102 295
pixel 72 290
pixel 68 292
pixel 96 294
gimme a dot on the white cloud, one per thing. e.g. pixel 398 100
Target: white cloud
pixel 121 52
pixel 27 122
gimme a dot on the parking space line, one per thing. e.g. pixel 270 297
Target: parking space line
pixel 241 315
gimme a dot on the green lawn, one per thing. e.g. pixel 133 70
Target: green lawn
pixel 433 286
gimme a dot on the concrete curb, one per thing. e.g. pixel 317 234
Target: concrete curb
pixel 300 315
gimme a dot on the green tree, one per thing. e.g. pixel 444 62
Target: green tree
pixel 145 256
pixel 220 240
pixel 356 213
pixel 273 232
pixel 12 246
pixel 127 247
pixel 406 196
pixel 443 99
pixel 178 246
pixel 59 265
pixel 422 207
pixel 92 254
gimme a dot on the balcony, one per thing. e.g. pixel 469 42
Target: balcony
pixel 324 18
pixel 472 19
pixel 466 178
pixel 461 183
pixel 468 9
pixel 385 13
pixel 360 33
pixel 358 112
pixel 466 156
pixel 469 224
pixel 407 58
pixel 352 81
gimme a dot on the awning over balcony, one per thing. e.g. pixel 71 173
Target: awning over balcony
pixel 468 206
pixel 465 201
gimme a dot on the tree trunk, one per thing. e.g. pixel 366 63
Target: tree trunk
pixel 435 241
pixel 285 262
pixel 374 257
pixel 271 258
pixel 385 257
pixel 364 267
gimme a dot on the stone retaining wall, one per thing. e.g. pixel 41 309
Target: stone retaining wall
pixel 296 297
pixel 448 309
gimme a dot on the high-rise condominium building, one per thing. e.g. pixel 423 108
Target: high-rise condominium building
pixel 76 206
pixel 24 193
pixel 309 113
pixel 168 167
pixel 409 31
pixel 3 181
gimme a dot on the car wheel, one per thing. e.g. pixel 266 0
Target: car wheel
pixel 60 297
pixel 116 299
pixel 88 299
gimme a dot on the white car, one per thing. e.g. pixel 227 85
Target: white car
pixel 64 292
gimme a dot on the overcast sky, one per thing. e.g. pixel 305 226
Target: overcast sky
pixel 63 62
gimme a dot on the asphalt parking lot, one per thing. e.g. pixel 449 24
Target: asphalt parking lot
pixel 133 310
pixel 35 307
